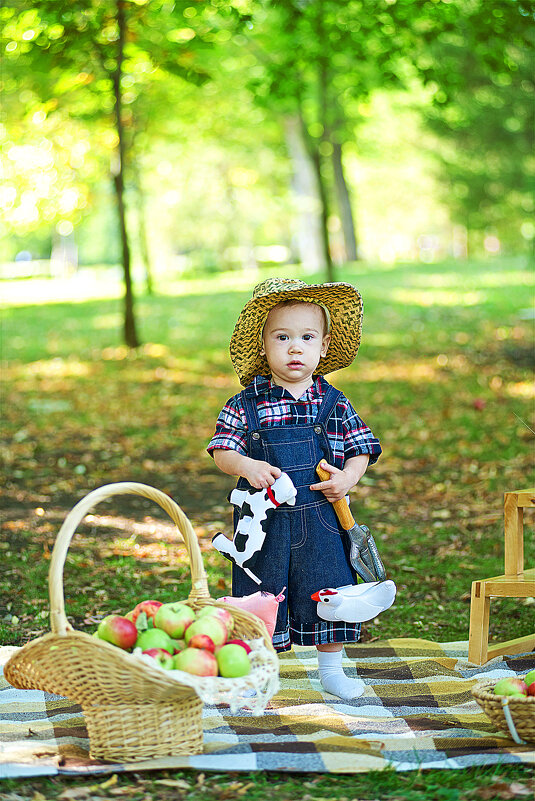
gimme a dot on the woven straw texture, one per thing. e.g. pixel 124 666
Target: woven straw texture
pixel 345 308
pixel 132 710
pixel 522 710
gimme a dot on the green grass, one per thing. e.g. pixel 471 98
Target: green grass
pixel 443 376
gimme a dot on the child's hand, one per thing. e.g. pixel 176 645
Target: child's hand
pixel 260 474
pixel 337 486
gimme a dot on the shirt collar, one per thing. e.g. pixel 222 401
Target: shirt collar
pixel 263 385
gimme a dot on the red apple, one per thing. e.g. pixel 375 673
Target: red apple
pixel 201 641
pixel 218 611
pixel 154 638
pixel 149 607
pixel 531 688
pixel 118 630
pixel 198 661
pixel 242 643
pixel 212 626
pixel 161 656
pixel 510 685
pixel 174 619
pixel 232 661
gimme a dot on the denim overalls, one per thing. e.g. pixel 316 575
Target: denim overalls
pixel 305 549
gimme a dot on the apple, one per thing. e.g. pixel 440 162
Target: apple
pixel 149 607
pixel 210 625
pixel 154 638
pixel 531 688
pixel 178 645
pixel 161 656
pixel 174 618
pixel 198 661
pixel 510 686
pixel 233 661
pixel 202 641
pixel 218 611
pixel 118 630
pixel 242 643
pixel 530 677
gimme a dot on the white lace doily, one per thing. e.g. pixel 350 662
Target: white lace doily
pixel 250 692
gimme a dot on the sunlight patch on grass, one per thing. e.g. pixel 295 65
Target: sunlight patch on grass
pixel 103 321
pixel 384 339
pixel 521 389
pixel 497 278
pixel 438 297
pixel 413 371
pixel 53 368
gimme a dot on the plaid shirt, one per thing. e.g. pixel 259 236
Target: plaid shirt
pixel 348 435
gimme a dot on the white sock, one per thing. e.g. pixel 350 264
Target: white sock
pixel 334 680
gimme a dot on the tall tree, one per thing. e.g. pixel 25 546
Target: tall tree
pixel 85 53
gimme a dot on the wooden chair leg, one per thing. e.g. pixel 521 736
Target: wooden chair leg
pixel 478 637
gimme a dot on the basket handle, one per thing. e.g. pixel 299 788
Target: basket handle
pixel 199 583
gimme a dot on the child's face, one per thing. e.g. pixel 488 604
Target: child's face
pixel 294 341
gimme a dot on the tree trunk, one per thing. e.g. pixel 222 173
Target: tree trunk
pixel 308 237
pixel 344 204
pixel 130 334
pixel 322 189
pixel 322 116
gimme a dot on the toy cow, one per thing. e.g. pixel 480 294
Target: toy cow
pixel 255 506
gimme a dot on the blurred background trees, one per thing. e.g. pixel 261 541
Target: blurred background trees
pixel 166 138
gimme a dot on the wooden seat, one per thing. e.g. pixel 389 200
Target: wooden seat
pixel 516 582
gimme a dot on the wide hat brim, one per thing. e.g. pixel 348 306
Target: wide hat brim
pixel 343 302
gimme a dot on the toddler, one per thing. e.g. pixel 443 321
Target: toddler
pixel 289 418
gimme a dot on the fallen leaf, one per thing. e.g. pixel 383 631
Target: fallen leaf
pixel 502 790
pixel 76 792
pixel 180 784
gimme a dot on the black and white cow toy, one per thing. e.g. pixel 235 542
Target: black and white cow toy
pixel 255 506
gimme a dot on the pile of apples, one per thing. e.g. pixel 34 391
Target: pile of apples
pixel 514 686
pixel 178 638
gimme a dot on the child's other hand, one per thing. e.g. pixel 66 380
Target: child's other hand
pixel 337 486
pixel 261 474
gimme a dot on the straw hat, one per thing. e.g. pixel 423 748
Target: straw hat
pixel 342 301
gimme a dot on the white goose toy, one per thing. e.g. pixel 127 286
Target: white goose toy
pixel 355 603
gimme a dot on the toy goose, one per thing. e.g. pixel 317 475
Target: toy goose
pixel 355 603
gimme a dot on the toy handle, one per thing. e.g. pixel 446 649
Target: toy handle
pixel 199 583
pixel 343 512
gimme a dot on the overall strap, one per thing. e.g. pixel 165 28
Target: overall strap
pixel 329 402
pixel 251 412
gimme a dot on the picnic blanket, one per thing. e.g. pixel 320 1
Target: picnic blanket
pixel 416 713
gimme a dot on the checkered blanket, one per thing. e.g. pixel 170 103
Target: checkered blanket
pixel 417 712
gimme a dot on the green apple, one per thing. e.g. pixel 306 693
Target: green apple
pixel 219 612
pixel 154 638
pixel 174 618
pixel 233 661
pixel 198 661
pixel 210 625
pixel 530 678
pixel 510 685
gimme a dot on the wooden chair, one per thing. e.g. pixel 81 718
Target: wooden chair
pixel 514 583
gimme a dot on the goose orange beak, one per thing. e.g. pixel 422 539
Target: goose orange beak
pixel 316 596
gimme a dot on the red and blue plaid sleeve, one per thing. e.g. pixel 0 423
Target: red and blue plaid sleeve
pixel 358 437
pixel 231 429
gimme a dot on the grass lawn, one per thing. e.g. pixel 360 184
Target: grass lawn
pixel 443 377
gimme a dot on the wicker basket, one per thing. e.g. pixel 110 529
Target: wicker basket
pixel 512 714
pixel 132 709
